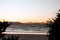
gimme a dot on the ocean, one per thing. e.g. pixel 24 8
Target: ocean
pixel 28 28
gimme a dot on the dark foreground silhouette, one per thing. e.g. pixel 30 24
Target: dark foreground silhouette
pixel 12 37
pixel 55 28
pixel 3 26
pixel 29 36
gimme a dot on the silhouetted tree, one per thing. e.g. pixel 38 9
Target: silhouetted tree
pixel 3 26
pixel 11 38
pixel 55 28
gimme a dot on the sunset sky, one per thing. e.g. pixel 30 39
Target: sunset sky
pixel 28 10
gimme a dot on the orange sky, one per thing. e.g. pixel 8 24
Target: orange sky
pixel 28 10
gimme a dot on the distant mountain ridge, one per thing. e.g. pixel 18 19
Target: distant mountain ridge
pixel 26 23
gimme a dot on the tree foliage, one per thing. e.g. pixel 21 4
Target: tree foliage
pixel 55 27
pixel 3 26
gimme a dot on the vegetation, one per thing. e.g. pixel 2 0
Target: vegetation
pixel 3 26
pixel 11 38
pixel 55 27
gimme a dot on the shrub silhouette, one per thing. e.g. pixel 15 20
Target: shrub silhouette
pixel 11 38
pixel 3 26
pixel 55 27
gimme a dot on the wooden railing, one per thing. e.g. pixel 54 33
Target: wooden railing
pixel 34 33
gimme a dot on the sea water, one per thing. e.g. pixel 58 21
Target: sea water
pixel 27 28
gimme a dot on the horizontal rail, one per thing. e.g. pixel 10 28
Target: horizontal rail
pixel 34 33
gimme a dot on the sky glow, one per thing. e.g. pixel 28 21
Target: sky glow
pixel 28 10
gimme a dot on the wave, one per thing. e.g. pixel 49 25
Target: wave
pixel 27 30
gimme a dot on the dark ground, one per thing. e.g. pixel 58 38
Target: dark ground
pixel 30 37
